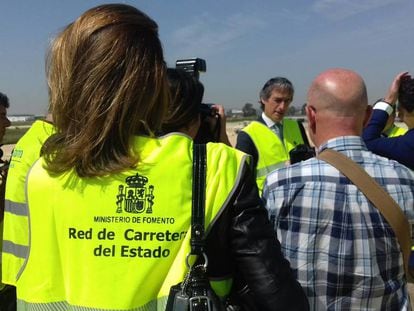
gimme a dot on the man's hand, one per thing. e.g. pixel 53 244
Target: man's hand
pixel 392 95
pixel 223 138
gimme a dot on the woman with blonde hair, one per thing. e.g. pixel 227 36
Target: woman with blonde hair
pixel 110 202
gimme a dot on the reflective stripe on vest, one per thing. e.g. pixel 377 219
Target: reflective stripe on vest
pixel 120 242
pixel 19 251
pixel 272 153
pixel 19 209
pixel 16 240
pixel 158 304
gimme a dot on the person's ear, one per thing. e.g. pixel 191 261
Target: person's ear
pixel 311 116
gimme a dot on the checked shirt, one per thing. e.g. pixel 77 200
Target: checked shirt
pixel 343 252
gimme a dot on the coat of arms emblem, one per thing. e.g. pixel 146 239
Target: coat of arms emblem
pixel 136 197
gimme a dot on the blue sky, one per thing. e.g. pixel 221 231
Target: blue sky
pixel 243 42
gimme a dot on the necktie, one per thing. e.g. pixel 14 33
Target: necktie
pixel 278 129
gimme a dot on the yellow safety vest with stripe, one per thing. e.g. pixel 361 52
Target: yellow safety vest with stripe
pixel 272 152
pixel 15 237
pixel 1 239
pixel 120 242
pixel 395 131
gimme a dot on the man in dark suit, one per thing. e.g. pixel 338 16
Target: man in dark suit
pixel 270 139
pixel 399 148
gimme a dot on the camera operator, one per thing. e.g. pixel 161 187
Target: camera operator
pixel 202 122
pixel 184 116
pixel 212 125
pixel 399 148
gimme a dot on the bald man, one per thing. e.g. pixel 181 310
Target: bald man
pixel 342 250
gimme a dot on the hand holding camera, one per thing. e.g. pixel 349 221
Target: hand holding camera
pixel 212 116
pixel 213 125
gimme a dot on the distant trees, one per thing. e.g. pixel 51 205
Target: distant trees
pixel 291 111
pixel 248 110
pixel 303 109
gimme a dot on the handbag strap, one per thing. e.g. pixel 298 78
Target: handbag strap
pixel 376 194
pixel 198 199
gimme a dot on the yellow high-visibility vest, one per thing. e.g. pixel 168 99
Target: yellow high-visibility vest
pixel 395 131
pixel 272 152
pixel 16 232
pixel 119 242
pixel 1 239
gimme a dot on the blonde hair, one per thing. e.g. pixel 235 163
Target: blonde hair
pixel 107 82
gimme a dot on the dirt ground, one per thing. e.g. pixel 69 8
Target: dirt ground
pixel 233 128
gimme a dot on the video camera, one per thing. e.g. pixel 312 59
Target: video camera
pixel 207 132
pixel 301 152
pixel 194 66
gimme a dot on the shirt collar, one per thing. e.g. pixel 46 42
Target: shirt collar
pixel 269 122
pixel 344 143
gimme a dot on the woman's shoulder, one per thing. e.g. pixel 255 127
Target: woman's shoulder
pixel 224 149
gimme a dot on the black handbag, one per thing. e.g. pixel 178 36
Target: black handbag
pixel 8 298
pixel 195 292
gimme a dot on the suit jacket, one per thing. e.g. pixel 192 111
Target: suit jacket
pixel 400 148
pixel 245 143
